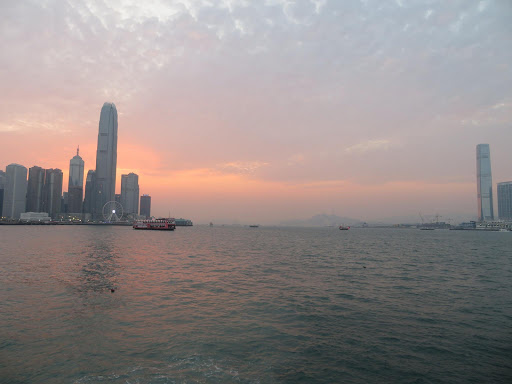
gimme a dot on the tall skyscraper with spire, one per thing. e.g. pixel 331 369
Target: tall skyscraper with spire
pixel 76 183
pixel 106 159
pixel 484 182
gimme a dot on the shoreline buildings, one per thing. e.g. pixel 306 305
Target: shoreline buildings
pixel 484 183
pixel 42 191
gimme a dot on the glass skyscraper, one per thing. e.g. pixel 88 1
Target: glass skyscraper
pixel 484 182
pixel 90 188
pixel 36 180
pixel 130 193
pixel 505 200
pixel 145 206
pixel 52 193
pixel 15 193
pixel 106 159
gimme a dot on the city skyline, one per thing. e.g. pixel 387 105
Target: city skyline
pixel 267 112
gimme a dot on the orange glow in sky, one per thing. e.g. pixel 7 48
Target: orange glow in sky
pixel 262 112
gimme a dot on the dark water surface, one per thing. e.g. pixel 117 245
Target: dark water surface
pixel 254 305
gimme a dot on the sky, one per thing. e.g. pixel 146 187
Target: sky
pixel 240 111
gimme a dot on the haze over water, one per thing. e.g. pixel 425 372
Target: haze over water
pixel 254 305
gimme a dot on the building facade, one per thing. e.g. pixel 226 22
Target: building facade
pixel 75 184
pixel 484 183
pixel 2 189
pixel 90 190
pixel 15 191
pixel 52 193
pixel 106 159
pixel 505 201
pixel 145 206
pixel 130 193
pixel 36 179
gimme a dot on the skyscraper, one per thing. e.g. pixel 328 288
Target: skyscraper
pixel 90 189
pixel 15 192
pixel 130 193
pixel 505 200
pixel 75 184
pixel 52 192
pixel 484 182
pixel 145 206
pixel 36 176
pixel 106 159
pixel 2 189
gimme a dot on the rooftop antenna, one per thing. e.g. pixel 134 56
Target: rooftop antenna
pixel 77 150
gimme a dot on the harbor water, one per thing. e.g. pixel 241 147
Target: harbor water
pixel 94 304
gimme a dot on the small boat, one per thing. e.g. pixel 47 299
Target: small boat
pixel 157 224
pixel 253 226
pixel 344 228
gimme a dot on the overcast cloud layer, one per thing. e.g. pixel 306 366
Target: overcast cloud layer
pixel 292 96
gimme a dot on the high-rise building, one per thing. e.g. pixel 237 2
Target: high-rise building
pixel 2 189
pixel 36 177
pixel 64 200
pixel 52 192
pixel 505 200
pixel 75 184
pixel 15 191
pixel 90 189
pixel 145 206
pixel 106 159
pixel 484 182
pixel 130 193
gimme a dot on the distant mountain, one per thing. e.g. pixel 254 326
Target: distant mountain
pixel 323 220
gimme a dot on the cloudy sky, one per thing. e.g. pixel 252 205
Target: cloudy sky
pixel 262 111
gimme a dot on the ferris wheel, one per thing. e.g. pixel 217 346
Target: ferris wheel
pixel 112 211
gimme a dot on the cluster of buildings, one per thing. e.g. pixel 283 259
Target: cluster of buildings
pixel 484 189
pixel 37 193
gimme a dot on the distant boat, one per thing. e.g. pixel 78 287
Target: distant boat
pixel 253 226
pixel 211 224
pixel 344 228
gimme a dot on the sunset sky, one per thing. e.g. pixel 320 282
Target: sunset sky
pixel 263 111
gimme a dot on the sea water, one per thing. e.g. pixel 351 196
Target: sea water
pixel 94 304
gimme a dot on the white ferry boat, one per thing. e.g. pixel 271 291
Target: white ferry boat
pixel 157 224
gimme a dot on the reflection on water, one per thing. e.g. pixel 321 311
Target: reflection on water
pixel 221 305
pixel 101 267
